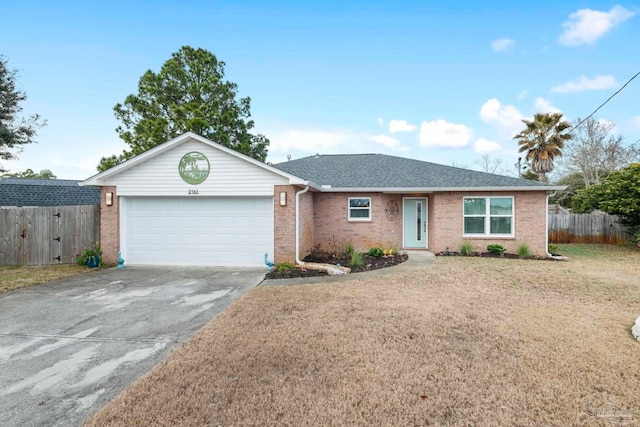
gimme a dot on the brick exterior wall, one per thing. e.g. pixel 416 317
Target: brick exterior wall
pixel 284 235
pixel 446 222
pixel 109 226
pixel 307 229
pixel 284 225
pixel 391 228
pixel 333 230
pixel 431 223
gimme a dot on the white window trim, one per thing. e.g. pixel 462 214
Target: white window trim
pixel 349 208
pixel 487 218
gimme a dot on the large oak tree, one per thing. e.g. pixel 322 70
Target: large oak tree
pixel 188 94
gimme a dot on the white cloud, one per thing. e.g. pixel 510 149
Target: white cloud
pixel 522 95
pixel 584 83
pixel 440 133
pixel 401 126
pixel 609 124
pixel 303 142
pixel 311 140
pixel 503 45
pixel 380 121
pixel 386 141
pixel 636 122
pixel 484 146
pixel 544 106
pixel 506 118
pixel 587 25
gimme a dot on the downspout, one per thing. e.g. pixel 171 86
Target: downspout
pixel 298 224
pixel 546 225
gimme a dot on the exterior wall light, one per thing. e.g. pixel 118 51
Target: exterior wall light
pixel 283 198
pixel 108 200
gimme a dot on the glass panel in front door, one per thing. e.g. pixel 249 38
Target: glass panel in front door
pixel 419 219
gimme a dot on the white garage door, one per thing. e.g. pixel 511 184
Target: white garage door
pixel 219 231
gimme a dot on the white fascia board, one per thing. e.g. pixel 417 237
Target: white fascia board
pixel 400 190
pixel 99 179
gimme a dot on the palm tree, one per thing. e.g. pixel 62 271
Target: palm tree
pixel 543 140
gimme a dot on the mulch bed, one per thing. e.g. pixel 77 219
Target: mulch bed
pixel 368 263
pixel 491 255
pixel 296 272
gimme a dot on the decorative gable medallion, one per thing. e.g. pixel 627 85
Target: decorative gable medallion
pixel 194 168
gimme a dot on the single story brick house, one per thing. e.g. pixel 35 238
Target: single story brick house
pixel 191 201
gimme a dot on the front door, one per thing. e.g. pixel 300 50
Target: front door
pixel 414 214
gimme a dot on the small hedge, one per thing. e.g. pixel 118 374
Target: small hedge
pixel 376 252
pixel 496 249
pixel 284 266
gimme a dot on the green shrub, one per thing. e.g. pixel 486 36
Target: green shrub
pixel 93 254
pixel 466 248
pixel 356 259
pixel 552 249
pixel 350 249
pixel 376 252
pixel 524 251
pixel 284 266
pixel 496 249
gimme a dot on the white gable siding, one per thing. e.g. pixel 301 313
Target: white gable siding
pixel 229 176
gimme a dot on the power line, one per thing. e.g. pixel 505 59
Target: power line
pixel 603 104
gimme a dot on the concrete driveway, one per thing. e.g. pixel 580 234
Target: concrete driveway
pixel 68 347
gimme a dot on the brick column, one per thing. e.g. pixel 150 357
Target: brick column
pixel 284 227
pixel 109 225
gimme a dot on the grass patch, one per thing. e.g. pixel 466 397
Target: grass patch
pixel 466 341
pixel 594 250
pixel 16 277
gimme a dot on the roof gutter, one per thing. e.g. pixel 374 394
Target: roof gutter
pixel 404 190
pixel 298 261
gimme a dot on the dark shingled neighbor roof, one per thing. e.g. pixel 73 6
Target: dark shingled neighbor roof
pixel 383 171
pixel 46 192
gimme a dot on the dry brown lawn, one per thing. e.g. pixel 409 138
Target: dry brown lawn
pixel 16 277
pixel 467 341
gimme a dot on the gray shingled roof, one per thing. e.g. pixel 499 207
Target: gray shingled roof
pixel 46 192
pixel 382 171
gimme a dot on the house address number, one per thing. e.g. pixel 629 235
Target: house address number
pixel 193 191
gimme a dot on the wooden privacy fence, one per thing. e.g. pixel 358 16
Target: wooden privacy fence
pixel 587 228
pixel 47 234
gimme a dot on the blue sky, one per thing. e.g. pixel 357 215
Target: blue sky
pixel 446 82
